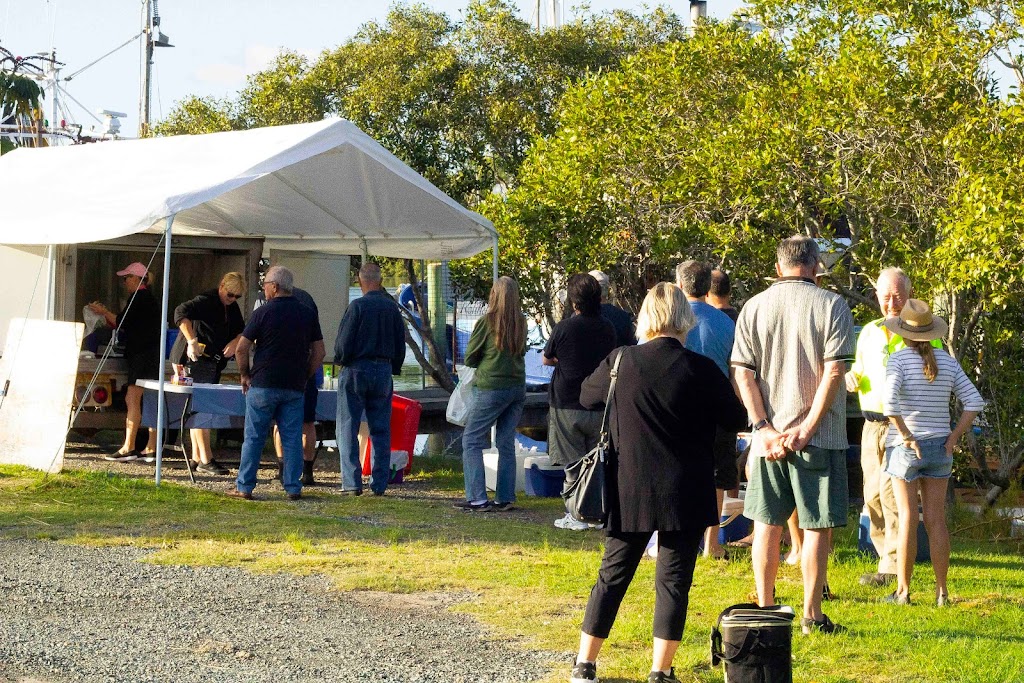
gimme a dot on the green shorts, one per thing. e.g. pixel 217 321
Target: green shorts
pixel 812 481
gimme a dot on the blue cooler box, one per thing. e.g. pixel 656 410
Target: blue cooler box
pixel 542 478
pixel 865 545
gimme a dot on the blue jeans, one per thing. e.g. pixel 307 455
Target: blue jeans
pixel 365 386
pixel 261 406
pixel 502 407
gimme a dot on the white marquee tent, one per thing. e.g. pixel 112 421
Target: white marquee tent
pixel 323 186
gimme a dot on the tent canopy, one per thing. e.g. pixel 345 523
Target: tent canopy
pixel 323 186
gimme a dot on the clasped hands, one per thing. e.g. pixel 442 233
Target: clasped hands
pixel 777 444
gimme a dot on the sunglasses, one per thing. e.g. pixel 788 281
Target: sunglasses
pixel 232 295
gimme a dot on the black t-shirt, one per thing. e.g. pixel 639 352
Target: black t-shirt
pixel 140 323
pixel 579 343
pixel 282 330
pixel 731 312
pixel 623 324
pixel 214 324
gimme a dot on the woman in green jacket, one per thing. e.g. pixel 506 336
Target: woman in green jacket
pixel 496 349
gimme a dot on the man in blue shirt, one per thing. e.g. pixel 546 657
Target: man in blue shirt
pixel 712 336
pixel 371 347
pixel 289 348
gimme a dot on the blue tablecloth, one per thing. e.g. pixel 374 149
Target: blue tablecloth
pixel 219 406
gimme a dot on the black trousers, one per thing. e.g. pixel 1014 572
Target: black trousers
pixel 677 555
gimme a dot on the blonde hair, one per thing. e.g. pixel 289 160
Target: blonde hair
pixel 505 316
pixel 665 311
pixel 233 282
pixel 927 353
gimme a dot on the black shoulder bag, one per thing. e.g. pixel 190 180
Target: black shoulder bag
pixel 586 497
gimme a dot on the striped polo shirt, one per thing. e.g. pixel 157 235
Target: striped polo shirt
pixel 785 335
pixel 924 405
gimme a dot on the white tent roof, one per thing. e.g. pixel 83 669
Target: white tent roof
pixel 324 186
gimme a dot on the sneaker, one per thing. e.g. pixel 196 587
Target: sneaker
pixel 503 507
pixel 235 493
pixel 469 506
pixel 571 524
pixel 826 625
pixel 895 598
pixel 148 457
pixel 584 672
pixel 118 456
pixel 662 677
pixel 877 579
pixel 212 467
pixel 942 600
pixel 294 496
pixel 351 492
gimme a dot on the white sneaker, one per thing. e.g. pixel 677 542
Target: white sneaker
pixel 571 524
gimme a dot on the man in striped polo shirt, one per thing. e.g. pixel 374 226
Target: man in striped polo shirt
pixel 867 378
pixel 789 357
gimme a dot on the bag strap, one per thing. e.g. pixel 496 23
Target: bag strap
pixel 603 438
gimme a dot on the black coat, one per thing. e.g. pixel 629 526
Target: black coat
pixel 219 324
pixel 666 405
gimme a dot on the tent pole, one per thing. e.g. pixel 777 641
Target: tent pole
pixel 494 256
pixel 164 295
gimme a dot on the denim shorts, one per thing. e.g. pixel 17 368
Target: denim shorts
pixel 902 462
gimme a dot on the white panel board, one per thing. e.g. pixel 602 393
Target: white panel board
pixel 38 369
pixel 326 277
pixel 27 266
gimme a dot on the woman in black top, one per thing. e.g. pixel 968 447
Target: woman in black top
pixel 576 347
pixel 139 329
pixel 665 407
pixel 210 326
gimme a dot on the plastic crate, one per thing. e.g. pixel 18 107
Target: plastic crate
pixel 405 425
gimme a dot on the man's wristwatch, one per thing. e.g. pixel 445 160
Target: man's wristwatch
pixel 761 424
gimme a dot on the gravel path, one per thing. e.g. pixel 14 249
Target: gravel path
pixel 69 613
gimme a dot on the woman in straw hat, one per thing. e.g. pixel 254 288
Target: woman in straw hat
pixel 919 447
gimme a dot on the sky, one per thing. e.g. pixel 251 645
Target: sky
pixel 217 42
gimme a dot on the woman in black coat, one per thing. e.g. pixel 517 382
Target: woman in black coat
pixel 665 407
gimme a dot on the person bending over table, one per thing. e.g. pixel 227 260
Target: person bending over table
pixel 211 325
pixel 140 327
pixel 289 348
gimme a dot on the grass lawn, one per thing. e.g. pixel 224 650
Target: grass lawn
pixel 529 581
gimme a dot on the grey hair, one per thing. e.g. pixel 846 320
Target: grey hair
pixel 694 278
pixel 898 275
pixel 369 273
pixel 282 277
pixel 798 251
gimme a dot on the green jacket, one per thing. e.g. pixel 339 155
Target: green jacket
pixel 494 369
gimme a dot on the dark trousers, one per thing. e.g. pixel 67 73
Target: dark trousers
pixel 677 555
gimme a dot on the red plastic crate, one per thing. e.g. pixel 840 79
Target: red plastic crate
pixel 405 425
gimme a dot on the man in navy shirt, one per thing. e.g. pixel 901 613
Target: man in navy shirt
pixel 712 336
pixel 289 348
pixel 371 348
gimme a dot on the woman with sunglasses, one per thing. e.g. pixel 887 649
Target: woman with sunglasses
pixel 210 326
pixel 138 329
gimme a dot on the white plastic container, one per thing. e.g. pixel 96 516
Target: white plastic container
pixel 491 467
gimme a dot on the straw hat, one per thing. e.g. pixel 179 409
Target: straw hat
pixel 916 322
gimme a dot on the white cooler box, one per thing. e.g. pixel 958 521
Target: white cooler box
pixel 491 467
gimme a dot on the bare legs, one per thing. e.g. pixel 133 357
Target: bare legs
pixel 202 451
pixel 661 658
pixel 712 548
pixel 308 441
pixel 764 554
pixel 933 502
pixel 133 400
pixel 796 539
pixel 814 560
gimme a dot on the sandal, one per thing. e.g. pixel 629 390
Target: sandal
pixel 826 625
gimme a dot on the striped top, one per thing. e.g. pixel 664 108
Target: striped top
pixel 924 405
pixel 786 335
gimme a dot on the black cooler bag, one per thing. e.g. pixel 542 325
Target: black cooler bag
pixel 755 643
